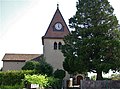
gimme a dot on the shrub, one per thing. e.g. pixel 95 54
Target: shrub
pixel 59 73
pixel 42 80
pixel 11 87
pixel 30 65
pixel 45 68
pixel 13 77
pixel 40 67
pixel 115 76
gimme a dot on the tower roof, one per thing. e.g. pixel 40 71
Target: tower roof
pixel 51 32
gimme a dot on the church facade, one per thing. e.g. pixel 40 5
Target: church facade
pixel 52 42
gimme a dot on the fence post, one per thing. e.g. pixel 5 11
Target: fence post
pixel 81 81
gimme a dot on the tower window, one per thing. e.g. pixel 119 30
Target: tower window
pixel 59 45
pixel 55 45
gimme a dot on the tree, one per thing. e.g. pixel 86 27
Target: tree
pixel 59 73
pixel 30 65
pixel 40 67
pixel 94 44
pixel 45 68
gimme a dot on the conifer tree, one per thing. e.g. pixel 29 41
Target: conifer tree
pixel 94 44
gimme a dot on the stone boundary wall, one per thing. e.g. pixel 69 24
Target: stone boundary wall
pixel 100 84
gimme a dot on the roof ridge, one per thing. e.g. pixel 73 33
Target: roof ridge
pixel 11 56
pixel 21 54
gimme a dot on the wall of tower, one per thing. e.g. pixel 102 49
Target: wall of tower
pixel 53 56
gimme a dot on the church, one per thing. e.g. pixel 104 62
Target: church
pixel 51 41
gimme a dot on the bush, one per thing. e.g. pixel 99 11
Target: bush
pixel 42 80
pixel 59 73
pixel 13 77
pixel 40 67
pixel 115 76
pixel 45 68
pixel 12 87
pixel 30 65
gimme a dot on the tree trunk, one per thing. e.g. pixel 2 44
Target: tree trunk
pixel 99 75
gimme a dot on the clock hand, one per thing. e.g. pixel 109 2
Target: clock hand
pixel 58 26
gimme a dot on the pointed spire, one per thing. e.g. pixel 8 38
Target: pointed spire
pixel 57 6
pixel 51 31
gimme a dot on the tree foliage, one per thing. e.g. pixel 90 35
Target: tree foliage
pixel 42 80
pixel 12 78
pixel 60 74
pixel 30 65
pixel 94 44
pixel 115 76
pixel 40 67
pixel 45 68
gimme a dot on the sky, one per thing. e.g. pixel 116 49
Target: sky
pixel 24 22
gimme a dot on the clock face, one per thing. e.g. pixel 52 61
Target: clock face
pixel 58 26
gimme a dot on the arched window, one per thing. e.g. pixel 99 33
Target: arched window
pixel 59 45
pixel 55 45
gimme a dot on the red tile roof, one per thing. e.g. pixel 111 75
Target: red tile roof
pixel 19 57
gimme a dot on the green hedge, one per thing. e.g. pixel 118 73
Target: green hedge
pixel 13 77
pixel 11 87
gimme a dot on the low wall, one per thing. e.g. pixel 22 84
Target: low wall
pixel 102 84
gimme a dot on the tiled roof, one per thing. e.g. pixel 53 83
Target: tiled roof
pixel 20 57
pixel 51 33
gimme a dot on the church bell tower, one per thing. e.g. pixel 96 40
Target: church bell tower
pixel 53 40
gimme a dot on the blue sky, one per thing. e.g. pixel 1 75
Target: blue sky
pixel 9 9
pixel 24 22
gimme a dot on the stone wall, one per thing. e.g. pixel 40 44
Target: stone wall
pixel 10 65
pixel 103 84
